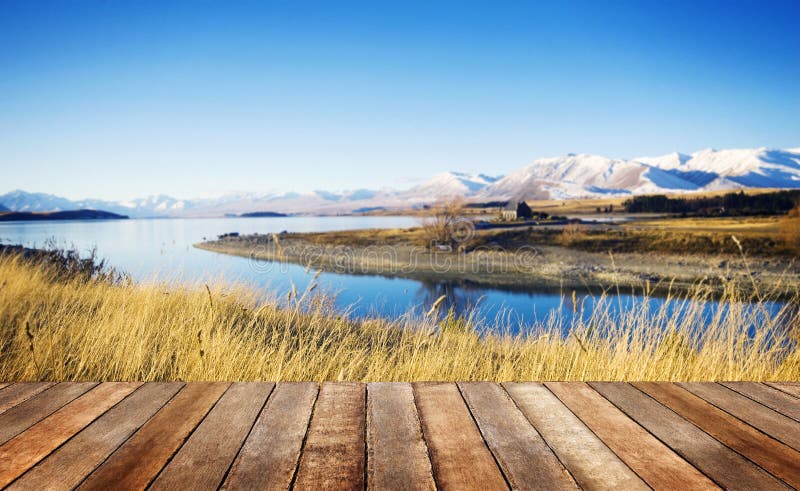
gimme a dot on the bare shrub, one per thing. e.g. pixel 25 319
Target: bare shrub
pixel 571 234
pixel 439 223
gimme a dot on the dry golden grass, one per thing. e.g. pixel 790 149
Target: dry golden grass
pixel 74 329
pixel 789 229
pixel 754 225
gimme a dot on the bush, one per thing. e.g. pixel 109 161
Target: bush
pixel 789 229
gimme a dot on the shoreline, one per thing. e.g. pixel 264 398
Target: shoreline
pixel 529 267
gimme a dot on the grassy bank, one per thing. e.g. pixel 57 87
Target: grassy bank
pixel 576 256
pixel 60 327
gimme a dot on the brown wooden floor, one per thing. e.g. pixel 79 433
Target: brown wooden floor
pixel 399 436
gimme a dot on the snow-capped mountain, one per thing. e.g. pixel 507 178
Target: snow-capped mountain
pixel 567 177
pixel 453 184
pixel 586 176
pixel 19 200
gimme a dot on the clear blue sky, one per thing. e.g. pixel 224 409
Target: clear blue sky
pixel 119 99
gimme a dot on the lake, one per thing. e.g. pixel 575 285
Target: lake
pixel 162 249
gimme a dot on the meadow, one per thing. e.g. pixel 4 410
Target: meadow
pixel 75 322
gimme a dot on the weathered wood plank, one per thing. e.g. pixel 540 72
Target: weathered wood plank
pixel 77 458
pixel 726 467
pixel 20 392
pixel 791 388
pixel 656 463
pixel 775 457
pixel 26 449
pixel 587 458
pixel 203 460
pixel 334 454
pixel 26 414
pixel 269 456
pixel 459 456
pixel 769 396
pixel 397 455
pixel 139 460
pixel 3 385
pixel 526 460
pixel 773 423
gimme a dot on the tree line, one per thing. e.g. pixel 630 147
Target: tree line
pixel 730 204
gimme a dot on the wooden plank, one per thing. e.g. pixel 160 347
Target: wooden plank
pixel 26 449
pixel 20 392
pixel 26 414
pixel 3 385
pixel 526 460
pixel 589 460
pixel 206 456
pixel 726 467
pixel 773 423
pixel 656 463
pixel 791 388
pixel 459 456
pixel 769 396
pixel 397 457
pixel 77 458
pixel 334 454
pixel 269 456
pixel 775 457
pixel 139 460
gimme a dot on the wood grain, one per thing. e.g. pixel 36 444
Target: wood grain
pixel 19 392
pixel 140 459
pixel 26 414
pixel 587 458
pixel 269 456
pixel 773 423
pixel 206 456
pixel 334 453
pixel 397 457
pixel 526 460
pixel 77 458
pixel 726 467
pixel 791 388
pixel 459 456
pixel 659 466
pixel 775 457
pixel 769 396
pixel 423 436
pixel 26 449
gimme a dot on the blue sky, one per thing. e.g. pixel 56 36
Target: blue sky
pixel 120 99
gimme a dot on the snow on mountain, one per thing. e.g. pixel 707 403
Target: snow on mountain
pixel 19 200
pixel 566 177
pixel 447 185
pixel 573 176
pixel 728 169
pixel 585 176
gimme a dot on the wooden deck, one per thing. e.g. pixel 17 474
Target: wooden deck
pixel 483 436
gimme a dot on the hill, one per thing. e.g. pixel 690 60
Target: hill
pixel 16 216
pixel 568 177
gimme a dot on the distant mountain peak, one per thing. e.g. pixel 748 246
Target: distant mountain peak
pixel 562 177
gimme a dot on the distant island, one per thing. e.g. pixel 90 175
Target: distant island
pixel 18 216
pixel 262 214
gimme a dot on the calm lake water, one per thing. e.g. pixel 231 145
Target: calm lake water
pixel 162 248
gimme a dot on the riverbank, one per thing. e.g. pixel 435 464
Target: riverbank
pixel 55 325
pixel 645 256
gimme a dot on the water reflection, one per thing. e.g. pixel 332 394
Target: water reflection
pixel 163 249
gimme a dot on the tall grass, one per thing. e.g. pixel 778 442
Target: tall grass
pixel 57 327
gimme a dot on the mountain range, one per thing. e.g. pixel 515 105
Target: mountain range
pixel 571 176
